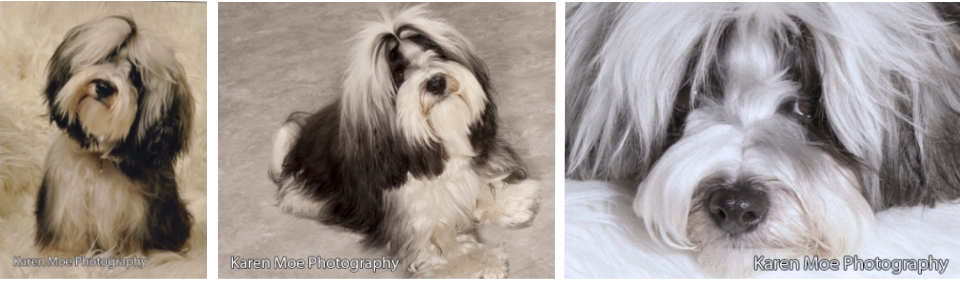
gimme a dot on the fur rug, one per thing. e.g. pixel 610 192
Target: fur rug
pixel 605 239
pixel 29 34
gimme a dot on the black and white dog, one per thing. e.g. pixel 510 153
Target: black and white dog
pixel 765 129
pixel 410 155
pixel 123 103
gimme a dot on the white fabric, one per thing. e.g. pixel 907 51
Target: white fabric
pixel 605 239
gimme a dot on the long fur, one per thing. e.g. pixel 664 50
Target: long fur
pixel 829 120
pixel 124 106
pixel 405 156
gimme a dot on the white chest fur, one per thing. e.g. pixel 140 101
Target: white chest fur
pixel 446 199
pixel 91 204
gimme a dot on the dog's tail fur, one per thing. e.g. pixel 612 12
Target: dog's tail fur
pixel 283 140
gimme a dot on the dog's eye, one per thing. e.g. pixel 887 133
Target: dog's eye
pixel 687 105
pixel 804 107
pixel 398 76
pixel 104 88
pixel 686 101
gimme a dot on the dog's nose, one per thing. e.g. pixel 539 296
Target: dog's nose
pixel 105 89
pixel 437 85
pixel 739 209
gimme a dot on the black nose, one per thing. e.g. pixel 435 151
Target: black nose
pixel 738 209
pixel 105 89
pixel 437 85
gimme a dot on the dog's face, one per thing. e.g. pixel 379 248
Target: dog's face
pixel 418 79
pixel 754 167
pixel 763 129
pixel 436 101
pixel 119 92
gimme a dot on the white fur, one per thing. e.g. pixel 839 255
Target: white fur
pixel 291 199
pixel 435 218
pixel 428 213
pixel 282 142
pixel 108 120
pixel 602 240
pixel 93 204
pixel 425 118
pixel 507 205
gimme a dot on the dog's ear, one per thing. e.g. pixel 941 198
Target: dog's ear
pixel 59 72
pixel 922 164
pixel 907 110
pixel 161 130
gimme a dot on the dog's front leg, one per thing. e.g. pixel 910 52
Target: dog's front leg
pixel 459 255
pixel 508 204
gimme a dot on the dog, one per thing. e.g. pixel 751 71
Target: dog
pixel 123 103
pixel 410 155
pixel 759 129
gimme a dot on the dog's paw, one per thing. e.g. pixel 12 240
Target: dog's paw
pixel 297 203
pixel 477 262
pixel 488 263
pixel 510 204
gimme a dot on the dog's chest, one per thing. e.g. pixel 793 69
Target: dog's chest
pixel 91 197
pixel 449 198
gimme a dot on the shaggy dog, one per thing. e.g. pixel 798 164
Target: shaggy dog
pixel 124 106
pixel 410 155
pixel 27 135
pixel 764 129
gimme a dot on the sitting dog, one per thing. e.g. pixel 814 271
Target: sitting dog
pixel 122 101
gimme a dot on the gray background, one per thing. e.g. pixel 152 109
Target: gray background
pixel 279 58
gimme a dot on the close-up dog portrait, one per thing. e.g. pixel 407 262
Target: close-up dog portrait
pixel 760 139
pixel 370 140
pixel 112 113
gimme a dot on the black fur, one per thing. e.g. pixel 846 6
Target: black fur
pixel 168 221
pixel 163 141
pixel 911 175
pixel 923 172
pixel 59 73
pixel 45 234
pixel 950 12
pixel 351 185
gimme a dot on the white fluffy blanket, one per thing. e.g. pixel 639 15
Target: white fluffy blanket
pixel 605 239
pixel 29 34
